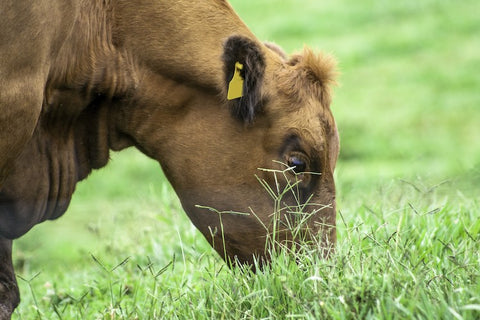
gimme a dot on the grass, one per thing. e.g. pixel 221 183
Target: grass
pixel 408 184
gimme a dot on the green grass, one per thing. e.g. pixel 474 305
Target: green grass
pixel 408 181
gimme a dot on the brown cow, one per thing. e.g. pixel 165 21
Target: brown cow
pixel 80 78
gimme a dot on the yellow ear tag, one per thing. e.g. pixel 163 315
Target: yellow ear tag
pixel 235 86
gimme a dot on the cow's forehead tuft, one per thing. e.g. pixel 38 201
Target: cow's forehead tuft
pixel 307 75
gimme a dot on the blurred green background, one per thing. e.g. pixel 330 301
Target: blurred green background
pixel 407 107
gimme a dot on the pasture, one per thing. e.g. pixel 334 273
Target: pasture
pixel 408 182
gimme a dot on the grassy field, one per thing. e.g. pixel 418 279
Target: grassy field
pixel 408 181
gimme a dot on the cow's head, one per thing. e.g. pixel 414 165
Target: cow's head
pixel 229 160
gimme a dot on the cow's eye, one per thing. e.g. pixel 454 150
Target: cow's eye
pixel 297 162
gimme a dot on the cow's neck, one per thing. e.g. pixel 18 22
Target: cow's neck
pixel 61 152
pixel 181 40
pixel 110 40
pixel 120 50
pixel 87 62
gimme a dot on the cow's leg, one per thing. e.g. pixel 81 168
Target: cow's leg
pixel 9 294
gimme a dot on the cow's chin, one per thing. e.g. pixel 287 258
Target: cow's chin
pixel 249 249
pixel 241 253
pixel 239 238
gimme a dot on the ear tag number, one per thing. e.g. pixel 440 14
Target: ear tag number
pixel 235 86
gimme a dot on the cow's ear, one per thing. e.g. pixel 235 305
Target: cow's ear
pixel 244 67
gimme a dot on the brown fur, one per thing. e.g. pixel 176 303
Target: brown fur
pixel 311 75
pixel 81 78
pixel 275 48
